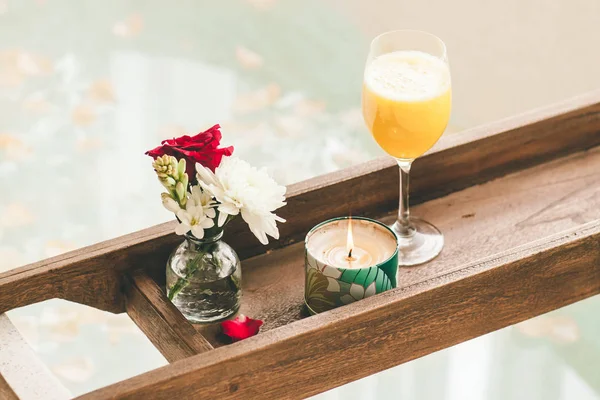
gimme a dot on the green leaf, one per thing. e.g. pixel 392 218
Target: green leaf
pixel 382 282
pixel 317 296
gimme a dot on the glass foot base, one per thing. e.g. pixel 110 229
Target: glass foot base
pixel 423 243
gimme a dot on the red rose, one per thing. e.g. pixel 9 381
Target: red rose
pixel 202 148
pixel 241 327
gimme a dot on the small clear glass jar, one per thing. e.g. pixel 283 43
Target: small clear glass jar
pixel 204 279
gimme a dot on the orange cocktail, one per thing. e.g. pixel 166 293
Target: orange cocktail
pixel 406 101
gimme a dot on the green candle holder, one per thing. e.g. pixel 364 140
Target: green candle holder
pixel 328 287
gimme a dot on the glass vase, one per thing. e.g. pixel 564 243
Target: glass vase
pixel 204 279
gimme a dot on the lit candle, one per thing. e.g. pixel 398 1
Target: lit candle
pixel 348 260
pixel 334 243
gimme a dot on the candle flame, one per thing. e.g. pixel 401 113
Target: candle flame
pixel 349 239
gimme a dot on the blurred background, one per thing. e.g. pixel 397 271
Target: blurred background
pixel 87 86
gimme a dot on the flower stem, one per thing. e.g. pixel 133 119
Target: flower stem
pixel 177 287
pixel 182 282
pixel 193 265
pixel 191 268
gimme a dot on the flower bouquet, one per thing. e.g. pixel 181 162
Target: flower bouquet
pixel 206 189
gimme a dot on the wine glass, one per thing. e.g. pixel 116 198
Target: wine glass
pixel 406 103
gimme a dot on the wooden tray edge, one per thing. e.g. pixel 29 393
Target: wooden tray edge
pixel 345 344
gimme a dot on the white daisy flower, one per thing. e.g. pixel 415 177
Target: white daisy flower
pixel 243 189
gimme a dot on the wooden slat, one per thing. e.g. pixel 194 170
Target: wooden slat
pixel 162 323
pixel 348 343
pixel 92 275
pixel 6 392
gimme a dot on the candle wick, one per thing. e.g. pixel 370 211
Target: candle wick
pixel 350 254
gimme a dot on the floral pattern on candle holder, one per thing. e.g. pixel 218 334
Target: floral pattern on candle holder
pixel 328 287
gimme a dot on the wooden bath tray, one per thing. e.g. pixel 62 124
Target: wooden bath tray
pixel 518 202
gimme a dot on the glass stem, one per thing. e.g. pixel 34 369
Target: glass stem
pixel 405 227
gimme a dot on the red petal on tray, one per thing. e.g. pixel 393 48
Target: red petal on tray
pixel 241 327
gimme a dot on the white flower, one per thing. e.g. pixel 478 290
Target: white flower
pixel 204 200
pixel 193 219
pixel 169 203
pixel 241 188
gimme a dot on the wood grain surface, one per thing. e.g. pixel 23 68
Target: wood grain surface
pixel 330 349
pixel 93 275
pixel 162 323
pixel 462 294
pixel 476 222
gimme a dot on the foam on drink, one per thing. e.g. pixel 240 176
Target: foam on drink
pixel 408 76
